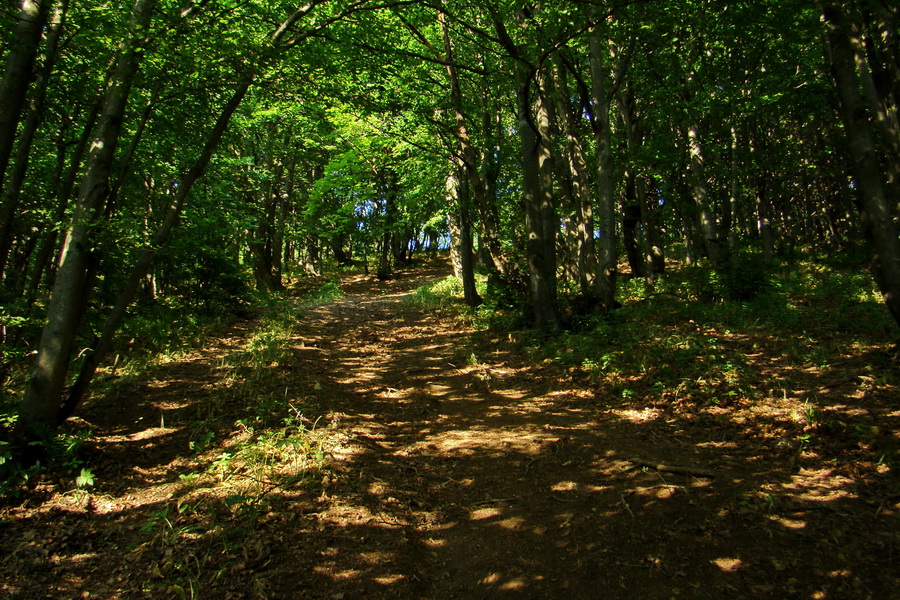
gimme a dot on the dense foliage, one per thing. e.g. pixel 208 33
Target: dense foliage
pixel 170 157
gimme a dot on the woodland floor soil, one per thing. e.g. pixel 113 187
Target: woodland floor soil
pixel 454 466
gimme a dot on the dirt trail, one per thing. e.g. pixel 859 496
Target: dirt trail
pixel 473 473
pixel 478 475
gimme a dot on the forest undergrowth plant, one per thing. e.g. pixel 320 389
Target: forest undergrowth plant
pixel 671 345
pixel 64 452
pixel 326 293
pixel 437 296
pixel 498 312
pixel 259 463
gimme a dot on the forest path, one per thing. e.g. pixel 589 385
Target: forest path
pixel 461 475
pixel 456 467
pixel 470 472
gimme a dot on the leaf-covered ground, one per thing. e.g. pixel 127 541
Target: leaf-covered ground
pixel 374 446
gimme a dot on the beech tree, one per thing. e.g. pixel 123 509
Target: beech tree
pixel 41 409
pixel 549 140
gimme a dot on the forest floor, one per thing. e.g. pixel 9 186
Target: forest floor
pixel 391 452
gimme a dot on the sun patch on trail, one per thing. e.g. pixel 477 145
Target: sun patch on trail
pixel 729 565
pixel 637 416
pixel 820 485
pixel 516 583
pixel 564 486
pixel 480 514
pixel 512 523
pixel 794 524
pixel 144 434
pixel 466 442
pixel 389 579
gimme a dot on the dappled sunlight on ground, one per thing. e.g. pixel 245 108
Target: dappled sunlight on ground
pixel 385 454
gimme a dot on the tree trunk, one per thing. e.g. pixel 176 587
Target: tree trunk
pixel 607 258
pixel 458 193
pixel 700 195
pixel 32 121
pixel 17 76
pixel 654 251
pixel 337 244
pixel 631 218
pixel 145 259
pixel 580 226
pixel 63 194
pixel 469 157
pixel 537 191
pixel 875 203
pixel 40 407
pixel 390 209
pixel 489 172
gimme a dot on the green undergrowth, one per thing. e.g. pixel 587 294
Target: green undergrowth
pixel 702 341
pixel 677 339
pixel 224 507
pixel 809 329
pixel 328 292
pixel 250 470
pixel 258 446
pixel 150 340
pixel 439 296
pixel 501 308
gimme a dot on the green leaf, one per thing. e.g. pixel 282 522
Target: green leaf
pixel 86 478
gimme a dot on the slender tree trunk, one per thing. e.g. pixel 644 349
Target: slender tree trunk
pixel 390 209
pixel 631 218
pixel 607 258
pixel 17 76
pixel 537 193
pixel 458 192
pixel 729 215
pixel 128 155
pixel 581 225
pixel 764 221
pixel 145 259
pixel 700 194
pixel 654 252
pixel 651 246
pixel 882 100
pixel 63 194
pixel 455 235
pixel 40 407
pixel 540 251
pixel 875 203
pixel 33 117
pixel 489 171
pixel 469 157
